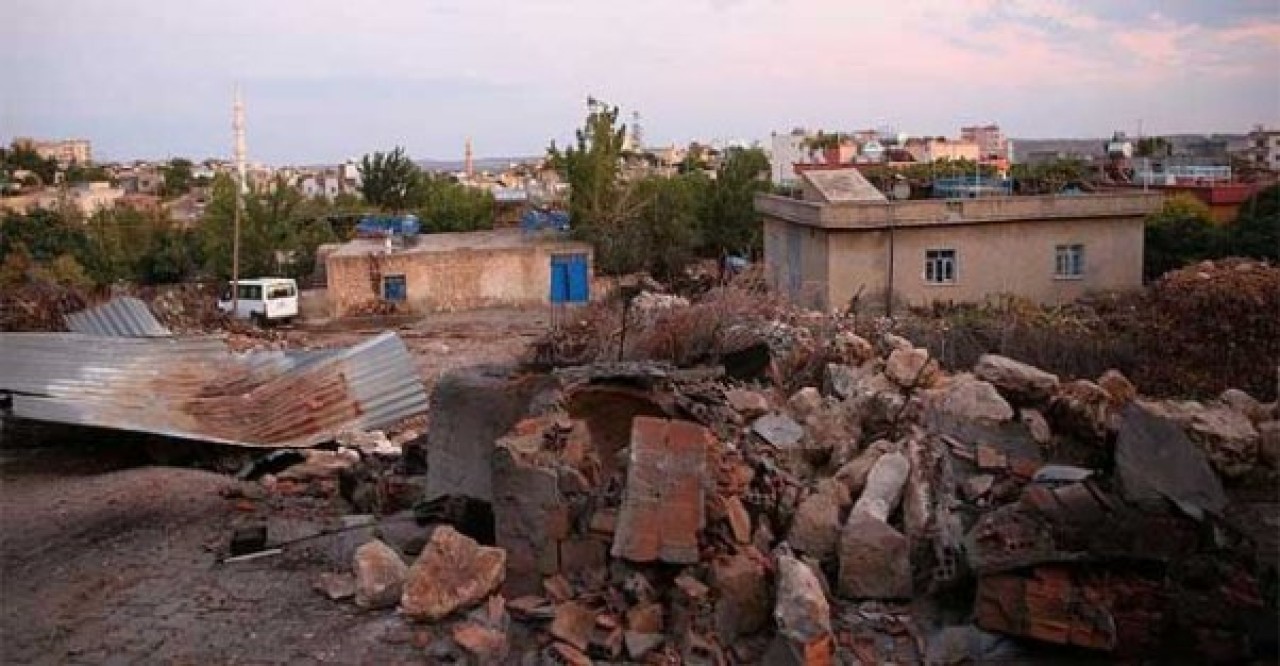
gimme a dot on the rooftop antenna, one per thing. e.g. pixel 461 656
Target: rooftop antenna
pixel 237 126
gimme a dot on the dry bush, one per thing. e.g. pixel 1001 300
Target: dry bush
pixel 1212 326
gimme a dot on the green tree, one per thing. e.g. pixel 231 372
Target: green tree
pixel 730 223
pixel 1153 146
pixel 387 179
pixel 276 223
pixel 1256 230
pixel 442 204
pixel 20 157
pixel 177 177
pixel 1180 233
pixel 599 209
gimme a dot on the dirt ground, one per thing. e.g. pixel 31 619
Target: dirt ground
pixel 105 559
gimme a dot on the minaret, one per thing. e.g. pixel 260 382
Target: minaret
pixel 466 164
pixel 237 124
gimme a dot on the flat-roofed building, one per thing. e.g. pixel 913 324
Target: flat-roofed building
pixel 850 241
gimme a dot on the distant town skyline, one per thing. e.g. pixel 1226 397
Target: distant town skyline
pixel 325 80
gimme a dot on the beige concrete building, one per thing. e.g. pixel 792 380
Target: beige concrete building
pixel 458 271
pixel 1049 249
pixel 64 152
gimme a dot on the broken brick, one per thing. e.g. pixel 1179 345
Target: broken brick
pixel 640 644
pixel 531 607
pixel 874 560
pixel 739 520
pixel 453 572
pixel 563 653
pixel 558 588
pixel 742 595
pixel 991 458
pixel 604 522
pixel 645 618
pixel 691 587
pixel 573 624
pixel 662 508
pixel 488 646
pixel 577 555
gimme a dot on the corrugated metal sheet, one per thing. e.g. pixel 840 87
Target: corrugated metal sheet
pixel 123 316
pixel 195 388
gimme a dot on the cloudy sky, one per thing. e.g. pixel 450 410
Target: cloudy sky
pixel 328 79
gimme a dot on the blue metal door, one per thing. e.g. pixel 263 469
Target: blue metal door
pixel 570 282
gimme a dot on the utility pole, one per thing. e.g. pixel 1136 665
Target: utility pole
pixel 237 125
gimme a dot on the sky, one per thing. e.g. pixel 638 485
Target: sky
pixel 325 80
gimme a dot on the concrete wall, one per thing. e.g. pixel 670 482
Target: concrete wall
pixel 796 262
pixel 454 280
pixel 996 258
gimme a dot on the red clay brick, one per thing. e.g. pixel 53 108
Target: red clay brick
pixel 662 510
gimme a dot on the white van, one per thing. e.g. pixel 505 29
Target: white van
pixel 263 300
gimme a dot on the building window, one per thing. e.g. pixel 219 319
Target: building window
pixel 940 266
pixel 394 288
pixel 1068 262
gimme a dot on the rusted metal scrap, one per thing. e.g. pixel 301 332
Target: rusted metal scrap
pixel 196 388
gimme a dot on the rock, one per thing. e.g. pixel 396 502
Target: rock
pixel 1244 403
pixel 778 430
pixel 851 349
pixel 380 575
pixel 1036 425
pixel 827 426
pixel 750 404
pixel 977 486
pixel 573 624
pixel 990 458
pixel 854 473
pixel 563 653
pixel 739 519
pixel 663 502
pixel 640 644
pixel 1155 463
pixel 815 530
pixel 1080 408
pixel 840 381
pixel 645 617
pixel 911 368
pixel 1227 437
pixel 884 486
pixel 1269 443
pixel 742 594
pixel 320 465
pixel 804 402
pixel 878 400
pixel 875 560
pixel 485 644
pixel 336 586
pixel 801 612
pixel 1022 383
pixel 1120 391
pixel 895 342
pixel 974 399
pixel 453 572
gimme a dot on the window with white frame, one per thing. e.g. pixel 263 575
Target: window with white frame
pixel 1068 262
pixel 940 266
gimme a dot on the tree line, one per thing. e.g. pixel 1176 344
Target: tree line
pixel 639 221
pixel 1183 232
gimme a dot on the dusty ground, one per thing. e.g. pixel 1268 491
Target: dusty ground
pixel 104 560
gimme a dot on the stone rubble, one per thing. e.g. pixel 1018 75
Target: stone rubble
pixel 641 515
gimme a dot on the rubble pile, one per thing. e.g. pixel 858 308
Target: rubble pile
pixel 640 513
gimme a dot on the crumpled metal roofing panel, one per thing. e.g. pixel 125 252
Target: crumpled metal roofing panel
pixel 123 316
pixel 195 388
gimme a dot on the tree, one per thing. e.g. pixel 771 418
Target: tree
pixel 599 208
pixel 730 223
pixel 386 179
pixel 276 223
pixel 78 173
pixel 1153 146
pixel 21 157
pixel 1181 232
pixel 443 204
pixel 1256 230
pixel 177 177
